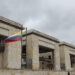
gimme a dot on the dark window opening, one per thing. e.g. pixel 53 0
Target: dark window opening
pixel 2 43
pixel 49 57
pixel 26 63
pixel 23 57
pixel 46 58
pixel 72 58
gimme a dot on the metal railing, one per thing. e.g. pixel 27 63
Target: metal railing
pixel 27 64
pixel 46 63
pixel 45 59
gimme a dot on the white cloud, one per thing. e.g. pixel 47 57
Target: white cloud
pixel 53 17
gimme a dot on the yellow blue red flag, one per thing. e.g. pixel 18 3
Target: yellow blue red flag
pixel 13 38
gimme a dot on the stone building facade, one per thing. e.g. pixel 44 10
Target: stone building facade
pixel 8 51
pixel 48 52
pixel 36 51
pixel 67 55
pixel 38 43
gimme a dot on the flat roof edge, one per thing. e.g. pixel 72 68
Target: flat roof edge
pixel 32 31
pixel 67 44
pixel 12 23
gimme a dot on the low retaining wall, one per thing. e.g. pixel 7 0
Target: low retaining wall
pixel 72 73
pixel 23 72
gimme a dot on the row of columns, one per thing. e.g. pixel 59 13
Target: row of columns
pixel 12 54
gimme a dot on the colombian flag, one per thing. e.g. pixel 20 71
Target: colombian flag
pixel 13 38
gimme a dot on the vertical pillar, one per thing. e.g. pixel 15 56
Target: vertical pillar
pixel 57 57
pixel 5 57
pixel 12 55
pixel 67 60
pixel 32 51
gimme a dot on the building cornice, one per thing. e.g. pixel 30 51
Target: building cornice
pixel 32 31
pixel 10 22
pixel 67 44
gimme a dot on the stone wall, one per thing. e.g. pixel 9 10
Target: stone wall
pixel 65 52
pixel 26 72
pixel 32 50
pixel 11 57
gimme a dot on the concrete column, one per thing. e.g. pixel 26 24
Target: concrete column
pixel 12 55
pixel 67 60
pixel 5 57
pixel 57 57
pixel 32 51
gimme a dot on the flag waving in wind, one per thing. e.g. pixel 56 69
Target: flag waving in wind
pixel 13 38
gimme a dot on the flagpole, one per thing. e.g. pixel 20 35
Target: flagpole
pixel 26 46
pixel 26 37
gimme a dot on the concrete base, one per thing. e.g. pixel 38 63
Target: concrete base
pixel 28 72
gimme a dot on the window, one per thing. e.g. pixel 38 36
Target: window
pixel 72 58
pixel 49 57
